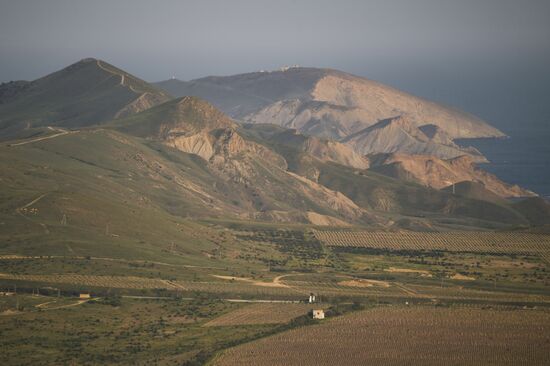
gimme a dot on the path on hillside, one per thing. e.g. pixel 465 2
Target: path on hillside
pixel 60 131
pixel 122 78
pixel 32 202
pixel 79 302
pixel 20 209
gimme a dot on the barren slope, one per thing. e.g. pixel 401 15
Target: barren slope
pixel 256 178
pixel 401 135
pixel 438 173
pixel 312 100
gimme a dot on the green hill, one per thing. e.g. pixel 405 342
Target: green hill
pixel 86 93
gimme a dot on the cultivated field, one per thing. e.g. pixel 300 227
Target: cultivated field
pixel 262 314
pixel 129 282
pixel 484 242
pixel 410 336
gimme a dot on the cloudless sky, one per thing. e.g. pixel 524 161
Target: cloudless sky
pixel 490 57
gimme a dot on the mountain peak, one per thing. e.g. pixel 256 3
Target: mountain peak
pixel 88 59
pixel 85 93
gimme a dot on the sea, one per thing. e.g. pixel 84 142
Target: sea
pixel 523 158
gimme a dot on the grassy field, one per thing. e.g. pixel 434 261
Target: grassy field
pixel 247 261
pixel 400 335
pixel 271 263
pixel 51 330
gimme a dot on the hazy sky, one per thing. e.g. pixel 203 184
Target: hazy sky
pixel 474 54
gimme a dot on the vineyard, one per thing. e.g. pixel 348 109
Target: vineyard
pixel 397 336
pixel 96 281
pixel 480 242
pixel 261 314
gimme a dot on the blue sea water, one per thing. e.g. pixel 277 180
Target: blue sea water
pixel 522 159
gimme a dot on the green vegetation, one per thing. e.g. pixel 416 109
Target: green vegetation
pixel 86 93
pixel 135 330
pixel 166 241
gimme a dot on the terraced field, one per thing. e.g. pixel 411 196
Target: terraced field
pixel 407 336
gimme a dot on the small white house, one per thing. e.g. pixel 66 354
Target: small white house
pixel 318 314
pixel 311 298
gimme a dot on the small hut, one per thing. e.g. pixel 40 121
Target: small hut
pixel 318 314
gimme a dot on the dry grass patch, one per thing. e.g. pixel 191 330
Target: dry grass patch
pixel 364 283
pixel 275 283
pixel 421 272
pixel 462 277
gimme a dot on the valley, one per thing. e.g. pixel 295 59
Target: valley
pixel 143 226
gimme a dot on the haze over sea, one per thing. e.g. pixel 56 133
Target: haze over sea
pixel 515 100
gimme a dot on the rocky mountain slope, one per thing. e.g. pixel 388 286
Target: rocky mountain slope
pixel 186 158
pixel 322 149
pixel 438 173
pixel 401 135
pixel 255 177
pixel 331 104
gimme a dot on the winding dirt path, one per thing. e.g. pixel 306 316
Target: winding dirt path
pixel 60 131
pixel 20 209
pixel 122 79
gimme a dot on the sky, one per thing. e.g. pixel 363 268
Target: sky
pixel 489 57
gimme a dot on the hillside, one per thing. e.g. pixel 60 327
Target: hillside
pixel 322 149
pixel 254 176
pixel 440 173
pixel 400 198
pixel 187 158
pixel 86 93
pixel 536 209
pixel 401 135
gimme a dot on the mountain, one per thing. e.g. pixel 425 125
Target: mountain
pixel 439 173
pixel 322 149
pixel 184 158
pixel 323 102
pixel 86 93
pixel 401 135
pixel 535 209
pixel 474 190
pixel 255 178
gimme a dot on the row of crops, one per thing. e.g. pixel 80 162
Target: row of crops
pixel 129 282
pixel 487 242
pixel 397 336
